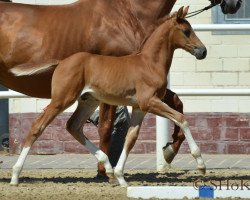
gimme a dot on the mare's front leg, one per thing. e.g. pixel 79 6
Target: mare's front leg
pixel 132 135
pixel 156 106
pixel 105 127
pixel 172 148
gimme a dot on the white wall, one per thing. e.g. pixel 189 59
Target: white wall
pixel 226 66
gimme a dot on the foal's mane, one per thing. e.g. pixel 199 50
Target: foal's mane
pixel 153 27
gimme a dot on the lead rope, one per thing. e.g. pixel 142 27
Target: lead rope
pixel 191 14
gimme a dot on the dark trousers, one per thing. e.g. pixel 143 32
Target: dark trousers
pixel 119 132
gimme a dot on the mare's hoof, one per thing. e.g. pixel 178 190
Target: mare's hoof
pixel 168 153
pixel 102 177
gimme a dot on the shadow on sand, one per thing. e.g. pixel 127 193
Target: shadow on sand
pixel 171 178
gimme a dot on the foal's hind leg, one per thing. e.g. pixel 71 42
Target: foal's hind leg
pixel 37 128
pixel 172 148
pixel 156 106
pixel 132 135
pixel 86 106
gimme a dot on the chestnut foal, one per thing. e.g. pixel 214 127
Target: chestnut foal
pixel 137 80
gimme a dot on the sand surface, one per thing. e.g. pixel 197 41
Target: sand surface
pixel 83 185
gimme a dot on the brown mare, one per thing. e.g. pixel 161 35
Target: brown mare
pixel 32 35
pixel 137 80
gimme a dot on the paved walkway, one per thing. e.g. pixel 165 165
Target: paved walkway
pixel 135 161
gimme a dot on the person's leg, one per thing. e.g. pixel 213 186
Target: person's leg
pixel 119 132
pixel 121 125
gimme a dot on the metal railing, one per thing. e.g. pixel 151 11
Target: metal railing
pixel 221 27
pixel 12 94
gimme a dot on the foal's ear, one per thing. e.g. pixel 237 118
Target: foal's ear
pixel 180 13
pixel 185 12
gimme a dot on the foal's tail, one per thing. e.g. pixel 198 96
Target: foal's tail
pixel 32 69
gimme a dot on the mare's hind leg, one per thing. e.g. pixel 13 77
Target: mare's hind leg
pixel 132 135
pixel 86 106
pixel 36 130
pixel 105 127
pixel 172 148
pixel 156 106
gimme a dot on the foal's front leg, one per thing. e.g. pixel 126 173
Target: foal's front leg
pixel 156 106
pixel 132 135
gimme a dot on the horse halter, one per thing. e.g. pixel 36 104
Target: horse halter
pixel 238 5
pixel 213 3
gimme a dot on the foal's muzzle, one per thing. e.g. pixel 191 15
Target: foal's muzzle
pixel 200 53
pixel 230 6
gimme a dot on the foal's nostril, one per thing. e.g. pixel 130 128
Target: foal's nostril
pixel 204 54
pixel 200 53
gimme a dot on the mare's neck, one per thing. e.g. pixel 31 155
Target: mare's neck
pixel 159 48
pixel 149 11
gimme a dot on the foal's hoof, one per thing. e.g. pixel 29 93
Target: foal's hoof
pixel 13 184
pixel 168 153
pixel 202 170
pixel 124 185
pixel 120 178
pixel 112 179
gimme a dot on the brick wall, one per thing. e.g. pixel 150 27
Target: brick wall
pixel 214 132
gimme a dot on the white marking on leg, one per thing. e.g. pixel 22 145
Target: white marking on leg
pixel 132 135
pixel 195 151
pixel 119 168
pixel 17 168
pixel 100 155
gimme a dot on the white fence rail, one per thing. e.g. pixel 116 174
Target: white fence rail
pixel 181 92
pixel 12 94
pixel 162 124
pixel 221 27
pixel 212 92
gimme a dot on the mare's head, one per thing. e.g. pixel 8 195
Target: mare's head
pixel 184 37
pixel 228 6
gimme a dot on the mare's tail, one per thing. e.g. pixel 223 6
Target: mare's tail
pixel 32 69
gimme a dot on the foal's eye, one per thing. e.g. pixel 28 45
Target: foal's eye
pixel 186 32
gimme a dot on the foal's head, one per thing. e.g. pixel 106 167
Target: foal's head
pixel 183 35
